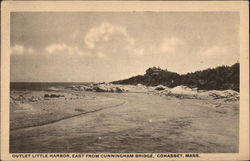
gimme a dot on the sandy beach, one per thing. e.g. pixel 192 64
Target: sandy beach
pixel 139 119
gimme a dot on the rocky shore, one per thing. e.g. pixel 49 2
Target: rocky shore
pixel 178 91
pixel 89 118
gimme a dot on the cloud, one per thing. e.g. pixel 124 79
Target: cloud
pixel 104 33
pixel 63 48
pixel 214 51
pixel 21 50
pixel 56 47
pixel 108 40
pixel 170 45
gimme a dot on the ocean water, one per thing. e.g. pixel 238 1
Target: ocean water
pixel 41 86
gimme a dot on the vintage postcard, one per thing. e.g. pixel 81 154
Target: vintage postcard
pixel 116 80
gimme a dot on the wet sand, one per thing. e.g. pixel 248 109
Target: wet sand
pixel 128 122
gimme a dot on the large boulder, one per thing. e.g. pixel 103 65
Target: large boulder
pixel 119 90
pixel 100 89
pixel 183 91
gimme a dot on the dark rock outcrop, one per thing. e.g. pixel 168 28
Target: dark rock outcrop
pixel 53 95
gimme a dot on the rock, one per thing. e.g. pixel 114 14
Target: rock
pixel 164 92
pixel 46 95
pixel 12 99
pixel 100 89
pixel 82 88
pixel 226 95
pixel 33 99
pixel 53 89
pixel 107 88
pixel 160 87
pixel 183 91
pixel 20 98
pixel 141 86
pixel 53 95
pixel 119 90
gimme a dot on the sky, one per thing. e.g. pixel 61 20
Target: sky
pixel 108 46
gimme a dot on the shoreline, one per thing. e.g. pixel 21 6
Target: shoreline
pixel 152 119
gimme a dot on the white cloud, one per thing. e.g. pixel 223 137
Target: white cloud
pixel 63 48
pixel 56 47
pixel 21 50
pixel 104 32
pixel 214 51
pixel 170 45
pixel 111 40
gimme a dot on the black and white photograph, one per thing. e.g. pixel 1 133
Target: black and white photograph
pixel 124 82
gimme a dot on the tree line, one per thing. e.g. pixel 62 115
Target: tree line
pixel 219 78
